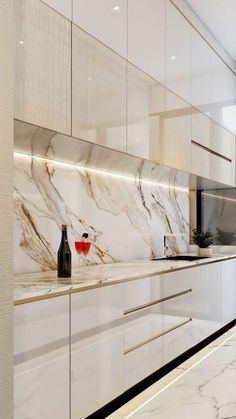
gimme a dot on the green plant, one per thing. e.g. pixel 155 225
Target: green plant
pixel 203 239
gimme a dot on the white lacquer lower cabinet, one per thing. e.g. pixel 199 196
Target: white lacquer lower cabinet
pixel 228 291
pixel 118 335
pixel 96 349
pixel 41 357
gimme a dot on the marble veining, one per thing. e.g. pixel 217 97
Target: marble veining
pixel 125 219
pixel 206 391
pixel 42 283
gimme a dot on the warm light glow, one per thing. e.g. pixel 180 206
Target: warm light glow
pixel 219 197
pixel 21 42
pixel 116 9
pixel 100 172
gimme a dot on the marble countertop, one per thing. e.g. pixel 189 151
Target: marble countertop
pixel 41 285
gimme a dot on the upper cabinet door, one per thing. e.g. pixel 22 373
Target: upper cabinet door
pixel 106 20
pixel 42 66
pixel 62 6
pixel 146 36
pixel 200 73
pixel 98 93
pixel 178 53
pixel 223 87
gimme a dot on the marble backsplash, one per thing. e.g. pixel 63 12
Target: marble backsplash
pixel 125 218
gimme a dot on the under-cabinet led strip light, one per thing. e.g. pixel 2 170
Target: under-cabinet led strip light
pixel 219 197
pixel 100 172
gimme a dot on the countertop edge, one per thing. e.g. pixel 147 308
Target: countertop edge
pixel 76 288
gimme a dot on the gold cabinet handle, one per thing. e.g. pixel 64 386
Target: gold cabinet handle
pixel 144 342
pixel 152 303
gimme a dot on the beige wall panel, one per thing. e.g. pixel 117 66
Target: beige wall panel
pixel 42 66
pixel 6 156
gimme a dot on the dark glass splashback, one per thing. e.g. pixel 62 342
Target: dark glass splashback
pixel 216 210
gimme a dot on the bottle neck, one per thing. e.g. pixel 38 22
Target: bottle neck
pixel 64 235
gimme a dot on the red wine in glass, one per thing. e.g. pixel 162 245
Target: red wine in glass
pixel 79 247
pixel 86 248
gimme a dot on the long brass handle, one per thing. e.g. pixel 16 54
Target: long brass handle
pixel 152 303
pixel 144 342
pixel 215 153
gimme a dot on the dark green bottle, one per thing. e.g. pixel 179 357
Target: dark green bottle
pixel 64 255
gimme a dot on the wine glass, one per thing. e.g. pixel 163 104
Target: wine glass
pixel 82 247
pixel 85 249
pixel 79 248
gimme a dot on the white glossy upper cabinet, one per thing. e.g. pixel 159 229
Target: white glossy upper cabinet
pixel 200 72
pixel 146 36
pixel 145 106
pixel 176 128
pixel 99 92
pixel 62 6
pixel 42 66
pixel 106 20
pixel 222 92
pixel 178 53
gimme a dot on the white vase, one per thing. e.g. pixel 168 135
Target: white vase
pixel 204 251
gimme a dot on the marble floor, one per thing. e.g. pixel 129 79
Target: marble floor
pixel 202 387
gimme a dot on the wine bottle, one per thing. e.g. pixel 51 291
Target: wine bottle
pixel 64 256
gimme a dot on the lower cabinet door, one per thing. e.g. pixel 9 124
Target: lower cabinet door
pixel 41 359
pixel 97 372
pixel 143 361
pixel 142 344
pixel 228 291
pixel 178 336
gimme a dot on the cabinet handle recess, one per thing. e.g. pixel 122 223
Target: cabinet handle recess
pixel 144 342
pixel 152 303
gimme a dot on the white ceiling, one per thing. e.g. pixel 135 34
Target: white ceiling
pixel 219 16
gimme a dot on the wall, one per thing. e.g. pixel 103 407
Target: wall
pixel 6 147
pixel 126 218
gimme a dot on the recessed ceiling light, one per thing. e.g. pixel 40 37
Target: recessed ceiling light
pixel 116 9
pixel 173 57
pixel 21 42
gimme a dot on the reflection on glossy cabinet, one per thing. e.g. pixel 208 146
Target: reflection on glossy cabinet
pixel 41 355
pixel 146 36
pixel 62 6
pixel 106 20
pixel 145 105
pixel 42 66
pixel 222 91
pixel 228 291
pixel 177 133
pixel 97 349
pixel 178 53
pixel 201 73
pixel 99 92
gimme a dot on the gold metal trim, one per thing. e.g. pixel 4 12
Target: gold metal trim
pixel 211 151
pixel 144 342
pixel 152 303
pixel 70 291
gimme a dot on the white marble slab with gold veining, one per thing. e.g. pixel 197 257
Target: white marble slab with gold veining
pixel 38 284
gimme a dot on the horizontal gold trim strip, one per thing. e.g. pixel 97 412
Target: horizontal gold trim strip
pixel 144 342
pixel 215 153
pixel 152 303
